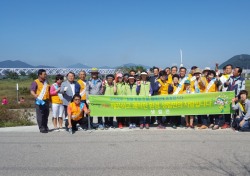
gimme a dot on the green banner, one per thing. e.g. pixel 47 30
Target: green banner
pixel 170 105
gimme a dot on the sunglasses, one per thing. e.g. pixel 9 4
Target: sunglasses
pixel 77 99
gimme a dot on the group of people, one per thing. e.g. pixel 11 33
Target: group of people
pixel 71 97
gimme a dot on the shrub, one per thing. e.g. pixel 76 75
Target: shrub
pixel 10 118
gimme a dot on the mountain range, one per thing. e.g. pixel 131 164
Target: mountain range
pixel 20 64
pixel 242 60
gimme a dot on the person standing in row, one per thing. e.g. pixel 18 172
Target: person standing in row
pixel 94 87
pixel 235 83
pixel 57 103
pixel 40 91
pixel 109 88
pixel 144 89
pixel 68 89
pixel 130 89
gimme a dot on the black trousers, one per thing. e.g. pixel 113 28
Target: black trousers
pixel 42 114
pixel 66 114
pixel 175 120
pixel 121 120
pixel 83 122
pixel 227 118
pixel 109 121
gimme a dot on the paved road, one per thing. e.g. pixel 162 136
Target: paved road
pixel 124 152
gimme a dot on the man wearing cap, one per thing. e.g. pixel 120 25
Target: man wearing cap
pixel 144 89
pixel 130 89
pixel 109 88
pixel 94 87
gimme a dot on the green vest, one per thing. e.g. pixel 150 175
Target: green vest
pixel 145 87
pixel 128 91
pixel 120 88
pixel 109 90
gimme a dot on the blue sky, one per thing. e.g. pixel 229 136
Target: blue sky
pixel 115 32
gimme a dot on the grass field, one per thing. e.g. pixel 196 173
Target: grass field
pixel 8 89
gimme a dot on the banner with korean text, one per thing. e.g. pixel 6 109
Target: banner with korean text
pixel 169 105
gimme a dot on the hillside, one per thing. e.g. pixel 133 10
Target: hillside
pixel 242 60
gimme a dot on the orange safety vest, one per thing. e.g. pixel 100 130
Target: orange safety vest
pixel 40 87
pixel 163 90
pixel 55 98
pixel 75 111
pixel 82 87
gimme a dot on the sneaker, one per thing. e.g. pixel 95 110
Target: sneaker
pixel 56 129
pixel 120 125
pixel 130 126
pixel 225 126
pixel 43 131
pixel 147 126
pixel 100 127
pixel 199 125
pixel 70 131
pixel 161 127
pixel 80 128
pixel 174 127
pixel 107 127
pixel 203 127
pixel 211 125
pixel 215 127
pixel 134 125
pixel 141 126
pixel 62 129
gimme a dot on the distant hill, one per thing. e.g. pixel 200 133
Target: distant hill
pixel 20 64
pixel 44 66
pixel 14 64
pixel 242 61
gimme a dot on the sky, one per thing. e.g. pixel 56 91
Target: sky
pixel 115 32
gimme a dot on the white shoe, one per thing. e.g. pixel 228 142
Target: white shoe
pixel 56 129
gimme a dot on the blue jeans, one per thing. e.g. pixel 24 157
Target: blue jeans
pixel 246 125
pixel 204 119
pixel 218 120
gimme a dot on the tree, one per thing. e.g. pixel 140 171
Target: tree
pixel 11 75
pixel 22 73
pixel 136 68
pixel 33 75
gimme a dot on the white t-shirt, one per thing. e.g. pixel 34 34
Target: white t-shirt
pixel 224 79
pixel 73 88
